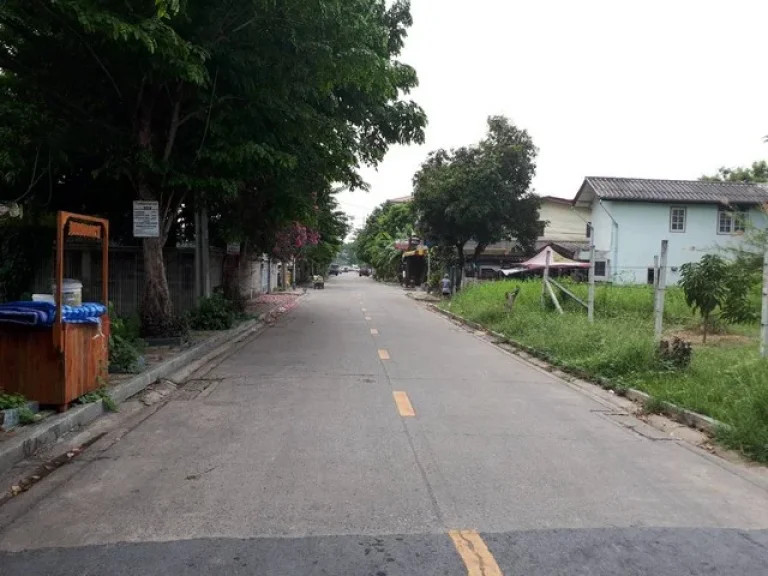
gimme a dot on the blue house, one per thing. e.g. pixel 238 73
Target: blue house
pixel 631 216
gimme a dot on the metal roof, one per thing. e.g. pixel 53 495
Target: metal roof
pixel 695 191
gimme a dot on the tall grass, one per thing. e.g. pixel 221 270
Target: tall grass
pixel 727 381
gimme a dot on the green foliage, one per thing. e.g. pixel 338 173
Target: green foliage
pixel 758 172
pixel 125 344
pixel 23 245
pixel 213 313
pixel 8 401
pixel 704 285
pixel 27 417
pixel 99 394
pixel 480 192
pixel 726 380
pixel 375 243
pixel 253 108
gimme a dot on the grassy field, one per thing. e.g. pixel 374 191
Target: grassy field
pixel 727 379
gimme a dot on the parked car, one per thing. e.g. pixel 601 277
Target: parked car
pixel 365 272
pixel 334 270
pixel 346 269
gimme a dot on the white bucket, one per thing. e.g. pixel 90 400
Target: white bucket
pixel 71 292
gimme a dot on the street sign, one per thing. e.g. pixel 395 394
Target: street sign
pixel 146 219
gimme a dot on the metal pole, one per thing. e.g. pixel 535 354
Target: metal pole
pixel 660 290
pixel 591 293
pixel 429 266
pixel 764 321
pixel 545 278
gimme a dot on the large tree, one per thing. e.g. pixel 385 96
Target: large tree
pixel 249 106
pixel 374 244
pixel 480 192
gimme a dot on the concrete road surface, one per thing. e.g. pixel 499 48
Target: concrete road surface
pixel 365 435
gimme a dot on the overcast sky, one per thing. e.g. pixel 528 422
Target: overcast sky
pixel 650 89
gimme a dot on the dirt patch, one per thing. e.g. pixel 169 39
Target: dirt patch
pixel 695 338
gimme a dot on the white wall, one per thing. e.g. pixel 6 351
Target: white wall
pixel 565 223
pixel 642 227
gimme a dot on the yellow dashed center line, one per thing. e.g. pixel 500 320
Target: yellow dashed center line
pixel 383 354
pixel 368 318
pixel 475 554
pixel 364 310
pixel 403 404
pixel 374 332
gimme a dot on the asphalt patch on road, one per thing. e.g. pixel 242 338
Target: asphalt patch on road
pixel 426 555
pixel 631 552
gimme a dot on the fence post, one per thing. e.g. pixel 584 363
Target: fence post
pixel 661 287
pixel 764 321
pixel 545 278
pixel 591 293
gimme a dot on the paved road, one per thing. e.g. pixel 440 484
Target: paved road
pixel 303 460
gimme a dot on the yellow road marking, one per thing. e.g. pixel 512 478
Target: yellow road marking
pixel 475 554
pixel 364 310
pixel 403 404
pixel 368 318
pixel 383 354
pixel 374 332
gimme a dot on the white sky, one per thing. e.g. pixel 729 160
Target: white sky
pixel 651 88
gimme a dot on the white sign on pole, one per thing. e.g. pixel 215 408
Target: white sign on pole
pixel 146 220
pixel 233 248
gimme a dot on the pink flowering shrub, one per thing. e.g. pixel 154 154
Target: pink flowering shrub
pixel 292 238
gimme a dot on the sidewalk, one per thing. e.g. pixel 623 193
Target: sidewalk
pixel 161 362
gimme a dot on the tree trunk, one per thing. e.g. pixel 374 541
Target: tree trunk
pixel 706 325
pixel 156 307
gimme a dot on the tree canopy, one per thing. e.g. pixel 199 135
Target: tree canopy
pixel 252 107
pixel 757 172
pixel 480 192
pixel 375 242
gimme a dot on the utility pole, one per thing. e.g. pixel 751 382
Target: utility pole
pixel 764 321
pixel 661 287
pixel 591 293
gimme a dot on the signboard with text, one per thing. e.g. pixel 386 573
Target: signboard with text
pixel 146 219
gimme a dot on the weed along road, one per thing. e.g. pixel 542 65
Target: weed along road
pixel 366 435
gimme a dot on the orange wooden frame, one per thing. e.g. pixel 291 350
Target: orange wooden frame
pixel 87 226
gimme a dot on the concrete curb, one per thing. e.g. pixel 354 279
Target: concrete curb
pixel 28 442
pixel 682 415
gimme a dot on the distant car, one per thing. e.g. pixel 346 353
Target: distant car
pixel 346 269
pixel 365 272
pixel 334 270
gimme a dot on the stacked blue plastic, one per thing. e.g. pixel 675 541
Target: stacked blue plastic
pixel 86 313
pixel 44 313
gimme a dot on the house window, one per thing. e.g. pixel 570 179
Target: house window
pixel 589 229
pixel 652 276
pixel 677 219
pixel 731 221
pixel 600 268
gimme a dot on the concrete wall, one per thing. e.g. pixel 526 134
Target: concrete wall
pixel 642 227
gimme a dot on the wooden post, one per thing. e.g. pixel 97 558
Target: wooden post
pixel 591 293
pixel 545 278
pixel 661 287
pixel 205 253
pixel 764 321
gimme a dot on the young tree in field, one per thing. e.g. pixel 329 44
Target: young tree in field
pixel 480 192
pixel 246 105
pixel 704 285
